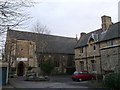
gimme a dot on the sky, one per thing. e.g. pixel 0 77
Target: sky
pixel 71 17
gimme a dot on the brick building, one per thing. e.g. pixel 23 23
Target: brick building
pixel 99 50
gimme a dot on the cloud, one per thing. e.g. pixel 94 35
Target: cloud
pixel 70 17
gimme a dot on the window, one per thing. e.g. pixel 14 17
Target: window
pixel 81 50
pixel 41 60
pixel 70 61
pixel 83 72
pixel 94 47
pixel 56 63
pixel 82 65
pixel 93 65
pixel 110 42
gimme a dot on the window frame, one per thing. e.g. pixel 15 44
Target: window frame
pixel 93 65
pixel 82 65
pixel 81 50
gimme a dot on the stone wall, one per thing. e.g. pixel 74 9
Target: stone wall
pixel 106 55
pixel 87 56
pixel 110 58
pixel 21 50
pixel 62 60
pixel 26 49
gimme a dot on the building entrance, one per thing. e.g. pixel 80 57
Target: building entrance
pixel 20 68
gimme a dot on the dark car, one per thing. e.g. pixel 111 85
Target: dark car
pixel 82 75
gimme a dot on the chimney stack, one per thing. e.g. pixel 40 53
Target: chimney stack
pixel 76 38
pixel 82 34
pixel 106 22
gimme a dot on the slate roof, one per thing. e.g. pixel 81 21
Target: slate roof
pixel 100 36
pixel 53 44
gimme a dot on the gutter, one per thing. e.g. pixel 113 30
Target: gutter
pixel 112 46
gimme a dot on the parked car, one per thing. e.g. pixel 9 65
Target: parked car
pixel 82 75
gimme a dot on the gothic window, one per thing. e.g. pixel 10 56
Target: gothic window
pixel 82 65
pixel 93 65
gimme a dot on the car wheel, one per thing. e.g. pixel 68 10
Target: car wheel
pixel 93 78
pixel 79 79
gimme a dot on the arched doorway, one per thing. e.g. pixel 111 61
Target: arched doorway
pixel 20 68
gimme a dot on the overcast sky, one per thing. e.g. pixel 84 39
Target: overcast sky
pixel 71 17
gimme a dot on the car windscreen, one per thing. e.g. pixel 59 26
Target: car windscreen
pixel 83 72
pixel 75 73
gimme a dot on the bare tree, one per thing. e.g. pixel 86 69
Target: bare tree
pixel 39 28
pixel 41 40
pixel 12 14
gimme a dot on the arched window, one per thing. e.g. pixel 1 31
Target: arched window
pixel 91 43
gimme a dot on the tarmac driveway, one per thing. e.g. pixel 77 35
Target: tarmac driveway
pixel 60 82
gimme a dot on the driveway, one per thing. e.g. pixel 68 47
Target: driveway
pixel 55 82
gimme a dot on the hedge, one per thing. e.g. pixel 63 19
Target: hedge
pixel 112 81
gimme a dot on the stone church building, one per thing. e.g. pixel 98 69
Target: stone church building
pixel 99 51
pixel 27 49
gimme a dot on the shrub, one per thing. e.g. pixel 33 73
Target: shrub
pixel 112 81
pixel 29 68
pixel 47 66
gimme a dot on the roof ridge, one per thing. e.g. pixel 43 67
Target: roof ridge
pixel 44 34
pixel 94 31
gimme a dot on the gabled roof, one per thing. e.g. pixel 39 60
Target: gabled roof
pixel 83 41
pixel 112 33
pixel 52 44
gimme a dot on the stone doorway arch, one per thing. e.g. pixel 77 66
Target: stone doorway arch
pixel 20 68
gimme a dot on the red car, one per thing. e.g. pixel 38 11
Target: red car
pixel 82 75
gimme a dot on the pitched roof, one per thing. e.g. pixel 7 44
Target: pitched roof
pixel 46 43
pixel 112 32
pixel 100 35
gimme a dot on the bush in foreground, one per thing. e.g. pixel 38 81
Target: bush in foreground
pixel 112 81
pixel 47 66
